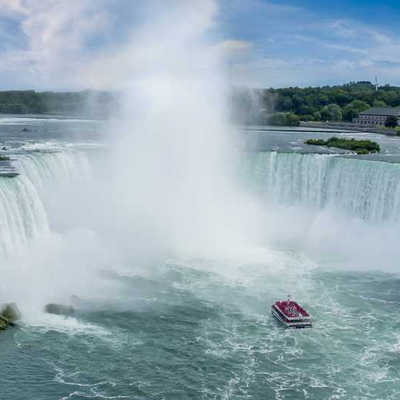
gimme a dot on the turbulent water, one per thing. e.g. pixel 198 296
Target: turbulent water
pixel 185 328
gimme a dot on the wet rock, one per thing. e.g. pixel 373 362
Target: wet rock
pixel 59 309
pixel 9 313
pixel 25 130
pixel 4 323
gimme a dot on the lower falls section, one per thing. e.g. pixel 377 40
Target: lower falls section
pixel 369 191
pixel 22 214
pixel 25 201
pixel 364 189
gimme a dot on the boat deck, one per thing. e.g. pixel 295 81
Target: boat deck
pixel 291 314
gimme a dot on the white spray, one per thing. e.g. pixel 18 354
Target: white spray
pixel 166 187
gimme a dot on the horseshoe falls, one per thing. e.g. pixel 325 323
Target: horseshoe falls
pixel 366 190
pixel 179 325
pixel 362 190
pixel 164 243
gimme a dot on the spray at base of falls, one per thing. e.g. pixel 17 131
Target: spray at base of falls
pixel 336 210
pixel 48 251
pixel 339 211
pixel 166 184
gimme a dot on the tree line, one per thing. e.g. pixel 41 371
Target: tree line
pixel 289 106
pixel 85 103
pixel 284 106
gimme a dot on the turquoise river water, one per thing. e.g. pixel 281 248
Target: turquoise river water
pixel 200 327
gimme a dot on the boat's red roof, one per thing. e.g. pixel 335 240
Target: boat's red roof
pixel 291 309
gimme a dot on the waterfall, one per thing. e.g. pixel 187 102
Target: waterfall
pixel 22 214
pixel 364 189
pixel 54 194
pixel 27 201
pixel 51 171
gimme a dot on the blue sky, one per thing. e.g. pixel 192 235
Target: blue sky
pixel 46 44
pixel 310 42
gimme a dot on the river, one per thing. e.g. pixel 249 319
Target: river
pixel 168 325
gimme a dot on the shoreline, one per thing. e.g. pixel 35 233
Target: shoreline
pixel 342 126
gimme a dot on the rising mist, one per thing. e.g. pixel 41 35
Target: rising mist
pixel 165 186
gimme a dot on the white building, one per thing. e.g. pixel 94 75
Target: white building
pixel 376 115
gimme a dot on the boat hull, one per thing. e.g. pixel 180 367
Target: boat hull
pixel 290 325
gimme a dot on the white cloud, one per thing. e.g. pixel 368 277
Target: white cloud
pixel 74 43
pixel 275 7
pixel 258 6
pixel 386 53
pixel 12 8
pixel 306 72
pixel 330 45
pixel 63 39
pixel 352 29
pixel 313 55
pixel 366 63
pixel 166 41
pixel 343 28
pixel 55 33
pixel 234 48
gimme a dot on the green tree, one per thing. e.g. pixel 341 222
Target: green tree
pixel 277 119
pixel 306 118
pixel 284 119
pixel 332 112
pixel 359 105
pixel 342 98
pixel 391 121
pixel 323 99
pixel 325 114
pixel 349 113
pixel 292 119
pixel 287 104
pixel 379 103
pixel 353 109
pixel 317 116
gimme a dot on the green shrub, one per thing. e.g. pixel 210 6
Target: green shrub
pixel 306 118
pixel 316 142
pixel 358 146
pixel 317 116
pixel 292 119
pixel 391 122
pixel 277 119
pixel 284 119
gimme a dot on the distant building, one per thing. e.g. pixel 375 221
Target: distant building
pixel 376 115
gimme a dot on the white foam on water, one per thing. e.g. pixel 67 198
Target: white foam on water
pixel 45 322
pixel 33 121
pixel 56 145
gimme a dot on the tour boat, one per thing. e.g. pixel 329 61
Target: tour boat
pixel 291 314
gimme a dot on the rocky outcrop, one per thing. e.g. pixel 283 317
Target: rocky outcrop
pixel 9 314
